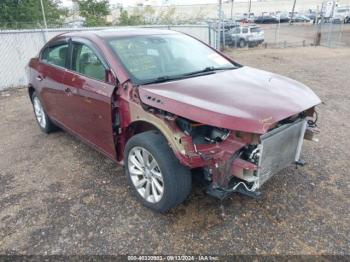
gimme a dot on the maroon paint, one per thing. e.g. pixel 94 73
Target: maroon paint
pixel 244 99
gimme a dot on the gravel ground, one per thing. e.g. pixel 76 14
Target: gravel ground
pixel 59 196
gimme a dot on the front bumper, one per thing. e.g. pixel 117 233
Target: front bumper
pixel 255 41
pixel 277 150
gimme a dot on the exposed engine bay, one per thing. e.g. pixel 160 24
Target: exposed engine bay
pixel 235 161
pixel 275 150
pixel 201 133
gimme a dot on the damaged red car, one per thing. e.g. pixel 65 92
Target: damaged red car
pixel 163 104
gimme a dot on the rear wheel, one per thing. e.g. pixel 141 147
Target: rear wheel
pixel 159 181
pixel 42 119
pixel 242 43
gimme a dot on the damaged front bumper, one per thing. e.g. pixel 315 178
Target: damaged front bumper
pixel 246 173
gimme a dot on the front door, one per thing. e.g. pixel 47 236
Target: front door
pixel 88 98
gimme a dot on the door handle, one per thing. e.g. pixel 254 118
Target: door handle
pixel 67 90
pixel 39 78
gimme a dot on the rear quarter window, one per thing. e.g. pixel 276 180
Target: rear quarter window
pixel 255 30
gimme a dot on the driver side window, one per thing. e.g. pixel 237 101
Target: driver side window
pixel 86 62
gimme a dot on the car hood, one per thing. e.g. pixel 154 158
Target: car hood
pixel 243 99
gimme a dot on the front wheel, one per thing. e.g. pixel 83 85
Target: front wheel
pixel 159 181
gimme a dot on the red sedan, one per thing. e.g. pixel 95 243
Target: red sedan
pixel 163 103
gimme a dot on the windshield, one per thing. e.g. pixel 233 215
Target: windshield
pixel 165 57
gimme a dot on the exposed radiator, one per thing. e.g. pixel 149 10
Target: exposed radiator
pixel 279 148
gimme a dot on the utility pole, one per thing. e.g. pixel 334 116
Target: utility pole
pixel 232 9
pixel 45 24
pixel 249 8
pixel 219 25
pixel 292 15
pixel 44 16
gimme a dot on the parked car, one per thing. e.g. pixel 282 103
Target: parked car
pixel 245 18
pixel 340 15
pixel 245 35
pixel 282 18
pixel 162 103
pixel 267 19
pixel 301 18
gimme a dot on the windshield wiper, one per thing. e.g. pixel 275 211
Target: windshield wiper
pixel 160 79
pixel 205 71
pixel 209 69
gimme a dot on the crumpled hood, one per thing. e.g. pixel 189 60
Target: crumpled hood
pixel 244 99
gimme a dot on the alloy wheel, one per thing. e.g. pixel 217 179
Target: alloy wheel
pixel 39 112
pixel 145 174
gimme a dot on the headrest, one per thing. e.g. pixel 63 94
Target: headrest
pixel 63 53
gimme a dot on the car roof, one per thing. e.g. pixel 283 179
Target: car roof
pixel 120 32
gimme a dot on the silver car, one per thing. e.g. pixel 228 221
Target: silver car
pixel 245 35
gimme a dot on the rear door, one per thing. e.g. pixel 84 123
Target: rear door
pixel 49 78
pixel 88 96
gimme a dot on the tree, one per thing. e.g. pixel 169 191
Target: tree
pixel 94 11
pixel 27 13
pixel 136 18
pixel 167 16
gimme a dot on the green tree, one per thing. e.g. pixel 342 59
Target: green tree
pixel 167 16
pixel 94 11
pixel 28 13
pixel 136 18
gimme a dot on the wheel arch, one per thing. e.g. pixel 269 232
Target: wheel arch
pixel 31 91
pixel 143 125
pixel 140 126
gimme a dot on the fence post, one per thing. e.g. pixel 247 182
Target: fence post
pixel 209 36
pixel 44 32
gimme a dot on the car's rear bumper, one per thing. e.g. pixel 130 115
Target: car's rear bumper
pixel 255 41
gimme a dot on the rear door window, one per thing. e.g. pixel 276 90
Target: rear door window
pixel 56 55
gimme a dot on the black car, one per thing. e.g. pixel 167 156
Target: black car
pixel 267 19
pixel 283 19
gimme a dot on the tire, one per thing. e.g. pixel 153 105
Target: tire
pixel 176 182
pixel 41 116
pixel 242 43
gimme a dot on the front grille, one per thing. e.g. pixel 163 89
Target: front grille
pixel 279 148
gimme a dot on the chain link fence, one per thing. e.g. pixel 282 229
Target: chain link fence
pixel 17 46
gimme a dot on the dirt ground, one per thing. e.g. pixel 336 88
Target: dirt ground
pixel 59 196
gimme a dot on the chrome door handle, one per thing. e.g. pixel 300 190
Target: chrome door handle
pixel 39 78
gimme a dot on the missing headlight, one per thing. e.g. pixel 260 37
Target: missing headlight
pixel 201 133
